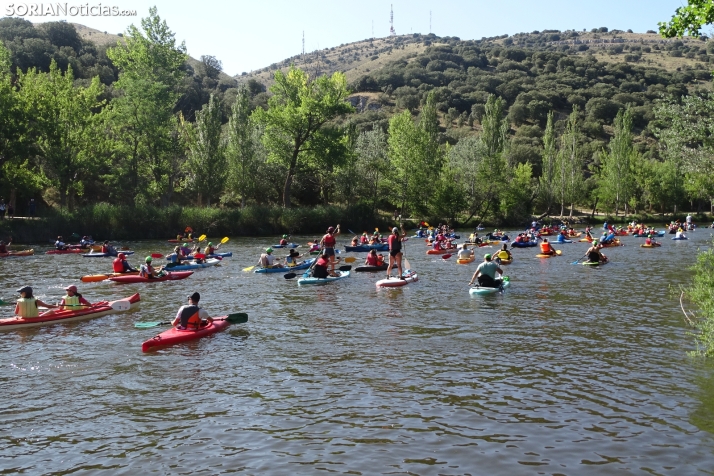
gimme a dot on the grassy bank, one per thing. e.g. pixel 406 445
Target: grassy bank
pixel 105 221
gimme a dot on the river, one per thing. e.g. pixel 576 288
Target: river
pixel 573 370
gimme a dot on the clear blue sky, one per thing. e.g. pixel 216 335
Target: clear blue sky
pixel 250 35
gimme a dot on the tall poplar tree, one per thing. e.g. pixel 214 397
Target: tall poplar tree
pixel 616 177
pixel 205 164
pixel 150 71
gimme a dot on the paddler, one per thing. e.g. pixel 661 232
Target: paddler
pixel 267 260
pixel 147 270
pixel 191 316
pixel 327 244
pixel 546 248
pixel 291 258
pixel 210 249
pixel 395 251
pixel 319 269
pixel 284 240
pixel 486 273
pixel 364 239
pixel 27 305
pixel 121 265
pixel 650 241
pixel 73 300
pixel 593 253
pixel 3 247
pixel 372 258
pixel 503 254
pixel 60 244
pixel 465 252
pixel 108 249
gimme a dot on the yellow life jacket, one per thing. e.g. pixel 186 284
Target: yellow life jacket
pixel 503 254
pixel 28 307
pixel 71 303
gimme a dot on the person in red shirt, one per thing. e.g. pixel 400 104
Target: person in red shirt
pixel 395 251
pixel 327 245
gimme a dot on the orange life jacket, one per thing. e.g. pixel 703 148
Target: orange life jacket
pixel 546 249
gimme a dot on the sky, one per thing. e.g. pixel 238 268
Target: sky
pixel 249 35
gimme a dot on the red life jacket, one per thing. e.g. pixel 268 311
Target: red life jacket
pixel 118 265
pixel 372 260
pixel 321 261
pixel 329 241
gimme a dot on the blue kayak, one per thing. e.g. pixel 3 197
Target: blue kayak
pixel 227 254
pixel 106 255
pixel 289 245
pixel 527 244
pixel 363 248
pixel 304 265
pixel 680 238
pixel 562 241
pixel 329 279
pixel 189 265
pixel 487 290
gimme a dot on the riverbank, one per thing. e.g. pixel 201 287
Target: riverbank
pixel 109 222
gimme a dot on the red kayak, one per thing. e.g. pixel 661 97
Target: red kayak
pixel 67 252
pixel 176 336
pixel 51 317
pixel 135 278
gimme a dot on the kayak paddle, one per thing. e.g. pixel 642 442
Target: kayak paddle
pixel 446 256
pixel 201 238
pixel 350 259
pixel 224 240
pixel 157 255
pixel 576 261
pixel 235 318
pixel 249 268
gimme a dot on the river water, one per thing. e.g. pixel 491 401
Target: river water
pixel 572 370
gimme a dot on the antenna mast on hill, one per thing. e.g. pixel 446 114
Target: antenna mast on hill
pixel 429 21
pixel 303 43
pixel 391 21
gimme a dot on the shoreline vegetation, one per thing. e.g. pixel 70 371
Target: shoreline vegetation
pixel 117 222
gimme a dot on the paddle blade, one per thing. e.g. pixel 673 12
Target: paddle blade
pixel 121 305
pixel 249 268
pixel 350 259
pixel 345 268
pixel 446 256
pixel 237 318
pixel 289 275
pixel 558 252
pixel 224 240
pixel 201 238
pixel 157 255
pixel 147 325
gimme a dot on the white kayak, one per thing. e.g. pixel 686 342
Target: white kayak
pixel 487 290
pixel 395 282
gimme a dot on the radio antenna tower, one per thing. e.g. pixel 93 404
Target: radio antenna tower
pixel 391 21
pixel 303 43
pixel 429 21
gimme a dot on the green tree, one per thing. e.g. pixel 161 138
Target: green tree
pixel 570 164
pixel 616 177
pixel 685 130
pixel 13 120
pixel 547 181
pixel 206 165
pixel 240 147
pixel 150 72
pixel 297 112
pixel 689 19
pixel 372 163
pixel 65 126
